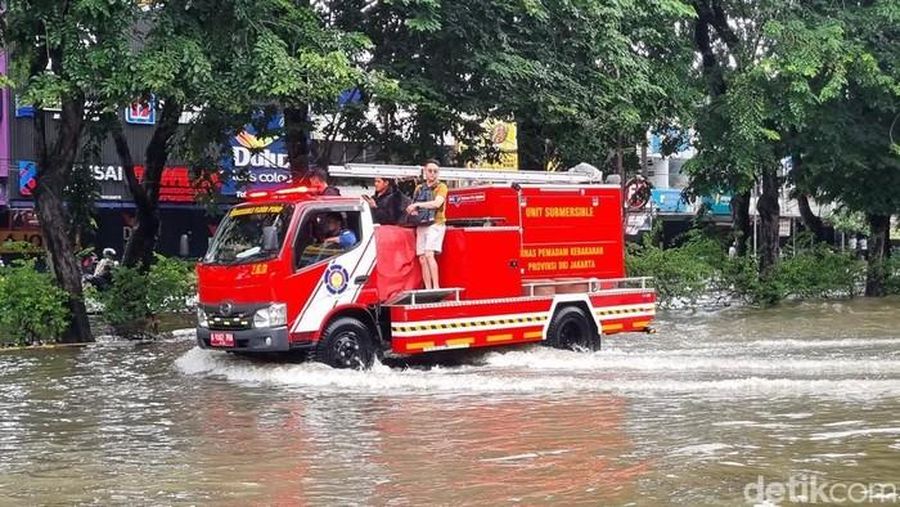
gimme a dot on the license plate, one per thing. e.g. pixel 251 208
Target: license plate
pixel 221 339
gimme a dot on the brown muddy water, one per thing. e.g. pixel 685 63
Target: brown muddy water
pixel 717 408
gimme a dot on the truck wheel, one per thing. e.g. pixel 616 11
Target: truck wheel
pixel 570 328
pixel 346 343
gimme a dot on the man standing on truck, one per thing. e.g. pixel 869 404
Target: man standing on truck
pixel 388 202
pixel 318 178
pixel 428 205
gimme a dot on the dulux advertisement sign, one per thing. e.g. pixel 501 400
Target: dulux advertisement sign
pixel 255 161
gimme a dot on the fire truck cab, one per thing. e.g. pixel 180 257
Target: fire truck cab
pixel 292 270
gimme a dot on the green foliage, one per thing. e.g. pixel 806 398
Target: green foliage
pixel 32 307
pixel 171 283
pixel 135 298
pixel 21 247
pixel 820 272
pixel 575 75
pixel 699 267
pixel 892 267
pixel 681 273
pixel 849 222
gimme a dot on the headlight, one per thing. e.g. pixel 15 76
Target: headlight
pixel 271 316
pixel 202 321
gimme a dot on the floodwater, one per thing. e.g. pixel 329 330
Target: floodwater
pixel 714 409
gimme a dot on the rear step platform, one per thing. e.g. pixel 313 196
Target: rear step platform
pixel 414 297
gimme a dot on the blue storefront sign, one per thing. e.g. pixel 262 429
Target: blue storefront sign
pixel 141 112
pixel 669 200
pixel 717 204
pixel 27 177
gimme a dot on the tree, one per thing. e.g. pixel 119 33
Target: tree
pixel 226 61
pixel 852 53
pixel 575 76
pixel 61 52
pixel 732 151
pixel 759 102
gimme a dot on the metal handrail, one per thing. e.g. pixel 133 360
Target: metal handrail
pixel 425 292
pixel 593 283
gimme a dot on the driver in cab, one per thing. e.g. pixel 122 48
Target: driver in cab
pixel 336 233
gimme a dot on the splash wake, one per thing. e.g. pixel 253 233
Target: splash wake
pixel 541 371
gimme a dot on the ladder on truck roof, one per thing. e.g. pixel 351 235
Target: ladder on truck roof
pixel 463 174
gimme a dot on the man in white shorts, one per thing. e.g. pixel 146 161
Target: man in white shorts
pixel 428 201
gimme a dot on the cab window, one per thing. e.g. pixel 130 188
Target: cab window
pixel 324 234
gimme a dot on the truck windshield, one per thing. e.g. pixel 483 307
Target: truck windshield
pixel 250 234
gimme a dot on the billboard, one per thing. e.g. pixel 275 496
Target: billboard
pixel 256 161
pixel 27 177
pixel 503 138
pixel 177 184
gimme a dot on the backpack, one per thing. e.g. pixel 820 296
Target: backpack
pixel 423 193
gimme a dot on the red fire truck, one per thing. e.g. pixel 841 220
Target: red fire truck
pixel 537 258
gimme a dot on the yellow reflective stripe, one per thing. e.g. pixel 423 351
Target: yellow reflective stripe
pixel 613 327
pixel 534 334
pixel 400 328
pixel 499 337
pixel 459 342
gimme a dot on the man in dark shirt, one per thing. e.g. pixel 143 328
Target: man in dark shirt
pixel 318 178
pixel 387 203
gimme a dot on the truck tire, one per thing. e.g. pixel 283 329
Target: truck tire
pixel 571 329
pixel 346 343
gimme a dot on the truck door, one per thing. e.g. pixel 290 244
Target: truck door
pixel 333 252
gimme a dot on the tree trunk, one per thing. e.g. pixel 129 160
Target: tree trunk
pixel 55 163
pixel 620 164
pixel 644 163
pixel 297 133
pixel 812 222
pixel 142 242
pixel 530 149
pixel 769 212
pixel 878 237
pixel 740 216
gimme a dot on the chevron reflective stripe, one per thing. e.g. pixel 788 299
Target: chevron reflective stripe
pixel 474 324
pixel 625 311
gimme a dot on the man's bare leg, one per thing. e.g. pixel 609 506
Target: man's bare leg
pixel 433 268
pixel 426 271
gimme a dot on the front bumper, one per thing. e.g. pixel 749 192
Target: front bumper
pixel 251 340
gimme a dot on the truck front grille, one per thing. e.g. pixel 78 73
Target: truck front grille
pixel 230 323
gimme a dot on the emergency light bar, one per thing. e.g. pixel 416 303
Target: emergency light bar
pixel 281 192
pixel 461 174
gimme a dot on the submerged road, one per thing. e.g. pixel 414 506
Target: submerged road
pixel 714 409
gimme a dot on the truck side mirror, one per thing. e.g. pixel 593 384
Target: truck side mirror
pixel 269 238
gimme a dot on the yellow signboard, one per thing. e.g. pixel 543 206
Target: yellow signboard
pixel 12 241
pixel 502 137
pixel 236 212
